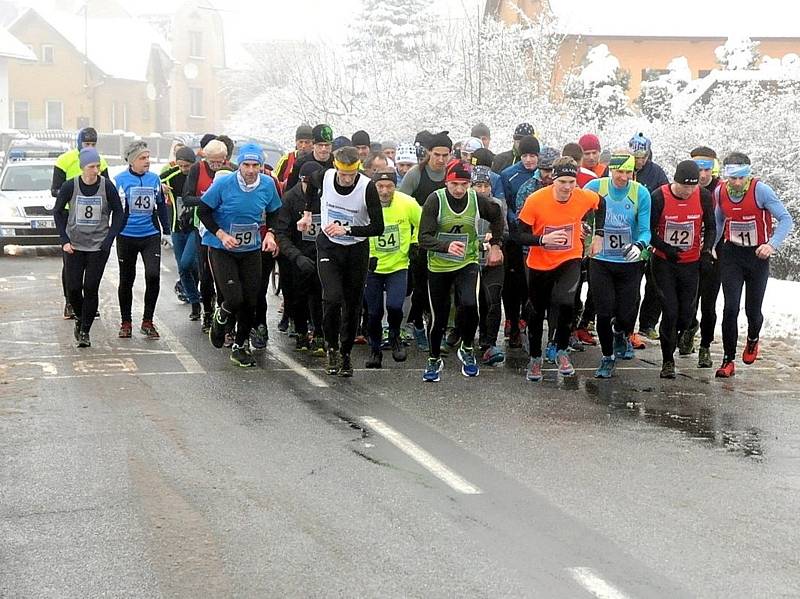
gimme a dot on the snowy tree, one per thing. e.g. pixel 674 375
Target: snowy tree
pixel 737 54
pixel 598 89
pixel 655 95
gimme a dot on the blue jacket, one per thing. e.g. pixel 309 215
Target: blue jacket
pixel 142 199
pixel 512 178
pixel 651 176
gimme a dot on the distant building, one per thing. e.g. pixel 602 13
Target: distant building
pixel 10 48
pixel 644 46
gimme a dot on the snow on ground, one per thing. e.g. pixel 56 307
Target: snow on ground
pixel 781 310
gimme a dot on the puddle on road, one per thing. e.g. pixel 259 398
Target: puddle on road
pixel 680 410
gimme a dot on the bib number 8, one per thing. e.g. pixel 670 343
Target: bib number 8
pixel 88 212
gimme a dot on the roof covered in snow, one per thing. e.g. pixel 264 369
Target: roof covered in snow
pixel 120 47
pixel 11 47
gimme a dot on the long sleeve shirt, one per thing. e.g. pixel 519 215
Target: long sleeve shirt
pixel 429 223
pixel 767 199
pixel 61 213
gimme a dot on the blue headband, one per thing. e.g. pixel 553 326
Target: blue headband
pixel 704 163
pixel 736 170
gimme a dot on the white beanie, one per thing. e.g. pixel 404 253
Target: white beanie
pixel 405 153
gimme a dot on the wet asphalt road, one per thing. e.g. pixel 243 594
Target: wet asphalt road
pixel 159 469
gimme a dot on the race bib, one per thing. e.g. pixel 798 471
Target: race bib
pixel 340 218
pixel 449 238
pixel 743 233
pixel 310 234
pixel 568 229
pixel 246 235
pixel 679 235
pixel 141 200
pixel 88 211
pixel 615 239
pixel 390 240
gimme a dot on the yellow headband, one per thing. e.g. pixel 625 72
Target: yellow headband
pixel 347 168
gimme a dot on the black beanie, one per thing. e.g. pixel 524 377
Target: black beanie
pixel 528 145
pixel 207 138
pixel 482 157
pixel 687 173
pixel 360 138
pixel 186 154
pixel 322 134
pixel 304 132
pixel 440 140
pixel 309 168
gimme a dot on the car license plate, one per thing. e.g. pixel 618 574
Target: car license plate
pixel 43 223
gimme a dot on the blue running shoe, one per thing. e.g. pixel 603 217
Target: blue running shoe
pixel 620 345
pixel 432 370
pixel 629 353
pixel 470 364
pixel 422 340
pixel 550 353
pixel 607 365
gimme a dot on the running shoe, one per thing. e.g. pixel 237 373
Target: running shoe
pixel 149 330
pixel 585 337
pixel 360 340
pixel 421 338
pixel 606 368
pixel 83 339
pixel 515 340
pixel 704 358
pixel 207 317
pixel 194 315
pixel 469 366
pixel 179 291
pixel 727 370
pixel 575 344
pixel 686 342
pixel 216 333
pixel 398 349
pixel 620 345
pixel 649 332
pixel 433 367
pixel 565 367
pixel 550 353
pixel 333 362
pixel 241 356
pixel 375 359
pixel 302 343
pixel 534 372
pixel 750 352
pixel 629 352
pixel 667 370
pixel 125 329
pixel 493 356
pixel 452 338
pixel 636 341
pixel 346 368
pixel 283 325
pixel 259 337
pixel 69 313
pixel 318 347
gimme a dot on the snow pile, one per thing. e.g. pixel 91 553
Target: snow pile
pixel 781 316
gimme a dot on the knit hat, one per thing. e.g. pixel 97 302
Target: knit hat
pixel 361 138
pixel 340 142
pixel 547 157
pixel 458 171
pixel 322 134
pixel 87 134
pixel 206 138
pixel 250 152
pixel 440 140
pixel 422 138
pixel 639 145
pixel 687 173
pixel 589 142
pixel 480 130
pixel 406 153
pixel 134 150
pixel 565 168
pixel 522 130
pixel 388 145
pixel 528 145
pixel 309 168
pixel 304 132
pixel 186 154
pixel 471 144
pixel 480 174
pixel 482 157
pixel 88 156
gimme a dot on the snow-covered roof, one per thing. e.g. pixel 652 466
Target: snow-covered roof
pixel 119 47
pixel 699 87
pixel 677 18
pixel 11 47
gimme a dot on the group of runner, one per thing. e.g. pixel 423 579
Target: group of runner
pixel 360 231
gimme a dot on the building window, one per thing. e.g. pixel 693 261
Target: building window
pixel 119 116
pixel 21 112
pixel 47 54
pixel 195 101
pixel 54 114
pixel 196 44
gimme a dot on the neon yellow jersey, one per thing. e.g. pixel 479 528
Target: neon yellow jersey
pixel 69 162
pixel 400 230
